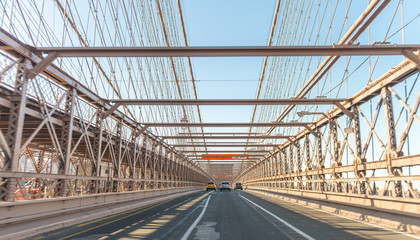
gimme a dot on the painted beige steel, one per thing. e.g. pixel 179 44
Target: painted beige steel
pixel 320 101
pixel 337 50
pixel 21 211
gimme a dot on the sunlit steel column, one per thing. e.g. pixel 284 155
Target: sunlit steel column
pixel 283 167
pixel 15 130
pixel 39 166
pixel 392 142
pixel 291 166
pixel 165 168
pixel 61 188
pixel 159 164
pixel 336 149
pixel 277 164
pixel 172 169
pixel 308 162
pixel 152 164
pixel 361 186
pixel 117 159
pixel 298 164
pixel 143 163
pixel 132 164
pixel 319 159
pixel 97 151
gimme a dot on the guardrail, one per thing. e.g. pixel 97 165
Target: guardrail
pixel 399 215
pixel 22 211
pixel 401 206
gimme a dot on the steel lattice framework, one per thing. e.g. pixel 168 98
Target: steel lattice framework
pixel 61 130
pixel 68 127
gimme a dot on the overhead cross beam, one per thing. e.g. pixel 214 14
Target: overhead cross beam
pixel 228 101
pixel 209 143
pixel 224 137
pixel 281 124
pixel 223 133
pixel 227 145
pixel 227 161
pixel 249 155
pixel 334 50
pixel 225 151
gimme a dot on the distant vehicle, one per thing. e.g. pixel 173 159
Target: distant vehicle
pixel 224 186
pixel 210 186
pixel 238 186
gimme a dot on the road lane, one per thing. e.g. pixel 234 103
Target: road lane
pixel 319 224
pixel 156 221
pixel 230 217
pixel 223 215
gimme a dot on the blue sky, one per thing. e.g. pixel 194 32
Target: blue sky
pixel 228 23
pixel 220 23
pixel 248 23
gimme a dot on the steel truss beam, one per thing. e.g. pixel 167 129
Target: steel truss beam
pixel 226 161
pixel 225 151
pixel 227 101
pixel 249 156
pixel 281 124
pixel 20 50
pixel 42 134
pixel 334 50
pixel 226 145
pixel 331 180
pixel 222 133
pixel 225 137
pixel 216 143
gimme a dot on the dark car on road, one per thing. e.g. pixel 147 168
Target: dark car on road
pixel 238 186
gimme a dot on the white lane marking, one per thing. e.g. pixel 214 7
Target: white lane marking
pixel 267 219
pixel 348 218
pixel 281 220
pixel 187 234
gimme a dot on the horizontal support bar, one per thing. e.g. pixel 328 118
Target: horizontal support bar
pixel 290 124
pixel 204 160
pixel 334 50
pixel 212 143
pixel 227 101
pixel 226 151
pixel 225 161
pixel 249 154
pixel 222 133
pixel 225 137
pixel 226 145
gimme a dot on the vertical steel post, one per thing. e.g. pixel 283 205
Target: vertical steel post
pixel 336 150
pixel 319 159
pixel 298 164
pixel 361 185
pixel 15 129
pixel 117 157
pixel 290 179
pixel 97 150
pixel 308 162
pixel 66 142
pixel 392 142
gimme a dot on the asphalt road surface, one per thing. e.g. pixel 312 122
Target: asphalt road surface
pixel 223 215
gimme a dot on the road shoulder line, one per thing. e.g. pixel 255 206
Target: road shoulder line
pixel 188 232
